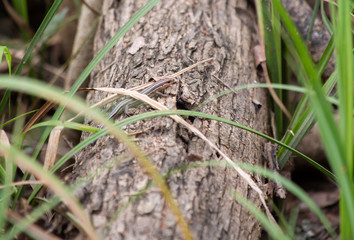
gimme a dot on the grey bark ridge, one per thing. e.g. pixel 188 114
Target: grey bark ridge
pixel 172 36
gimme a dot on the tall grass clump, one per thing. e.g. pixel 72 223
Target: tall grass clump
pixel 314 106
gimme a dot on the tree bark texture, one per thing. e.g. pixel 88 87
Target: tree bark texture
pixel 172 36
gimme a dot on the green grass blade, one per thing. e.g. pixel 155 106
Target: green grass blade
pixel 345 65
pixel 21 8
pixel 297 191
pixel 143 116
pixel 207 116
pixel 71 125
pixel 30 218
pixel 274 64
pixel 32 45
pixel 48 17
pixel 325 57
pixel 152 114
pixel 312 21
pixel 272 229
pixel 302 123
pixel 5 196
pixel 57 186
pixel 15 118
pixel 325 19
pixel 53 27
pixel 293 217
pixel 2 173
pixel 5 51
pixel 257 85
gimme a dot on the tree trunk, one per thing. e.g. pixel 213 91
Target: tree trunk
pixel 172 36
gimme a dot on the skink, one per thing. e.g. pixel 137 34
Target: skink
pixel 158 85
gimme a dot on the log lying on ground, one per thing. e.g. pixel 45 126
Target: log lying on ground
pixel 172 36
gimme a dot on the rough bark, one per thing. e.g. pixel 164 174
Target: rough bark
pixel 174 35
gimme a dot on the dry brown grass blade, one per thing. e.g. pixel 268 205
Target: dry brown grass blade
pixel 38 115
pixel 32 228
pixel 28 182
pixel 144 98
pixel 260 60
pixel 137 88
pixel 6 142
pixel 190 67
pixel 107 99
pixel 44 109
pixel 58 188
pixel 52 147
pixel 273 93
pixel 51 152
